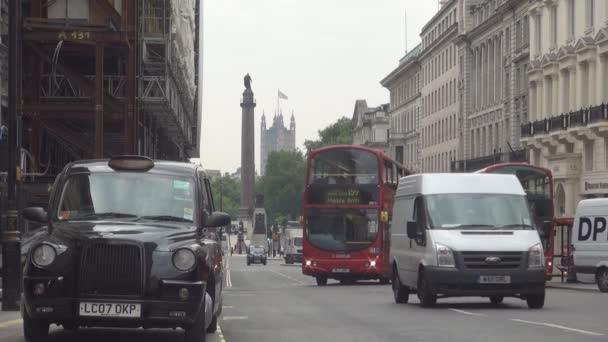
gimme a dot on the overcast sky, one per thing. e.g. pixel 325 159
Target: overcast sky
pixel 323 54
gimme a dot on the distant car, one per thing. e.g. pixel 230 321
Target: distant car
pixel 256 254
pixel 131 242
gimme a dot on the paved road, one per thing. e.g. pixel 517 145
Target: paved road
pixel 277 303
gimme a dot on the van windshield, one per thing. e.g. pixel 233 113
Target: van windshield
pixel 478 211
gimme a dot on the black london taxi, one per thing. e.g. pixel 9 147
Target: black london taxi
pixel 131 242
pixel 256 254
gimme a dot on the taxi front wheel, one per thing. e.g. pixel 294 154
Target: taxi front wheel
pixel 197 332
pixel 35 330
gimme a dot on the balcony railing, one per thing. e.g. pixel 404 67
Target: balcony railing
pixel 60 87
pixel 579 118
pixel 471 165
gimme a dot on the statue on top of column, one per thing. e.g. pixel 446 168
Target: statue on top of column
pixel 247 82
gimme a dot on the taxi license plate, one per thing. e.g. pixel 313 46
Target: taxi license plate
pixel 495 279
pixel 110 310
pixel 341 270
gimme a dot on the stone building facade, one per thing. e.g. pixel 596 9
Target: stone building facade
pixel 440 140
pixel 3 61
pixel 403 84
pixel 276 138
pixel 567 129
pixel 371 126
pixel 493 47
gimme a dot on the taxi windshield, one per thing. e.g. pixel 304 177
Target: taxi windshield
pixel 123 195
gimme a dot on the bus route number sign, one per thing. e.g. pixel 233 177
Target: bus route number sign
pixel 343 196
pixel 74 35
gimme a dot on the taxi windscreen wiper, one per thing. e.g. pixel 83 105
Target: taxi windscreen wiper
pixel 106 215
pixel 166 218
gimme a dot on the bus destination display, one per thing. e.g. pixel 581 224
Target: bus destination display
pixel 343 196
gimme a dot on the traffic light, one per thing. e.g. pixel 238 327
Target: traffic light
pixel 241 227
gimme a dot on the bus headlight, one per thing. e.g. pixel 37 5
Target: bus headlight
pixel 535 256
pixel 44 255
pixel 445 256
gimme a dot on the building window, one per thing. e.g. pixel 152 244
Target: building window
pixel 590 12
pixel 537 33
pixel 553 26
pixel 526 31
pixel 589 155
pixel 399 154
pixel 571 18
pixel 606 153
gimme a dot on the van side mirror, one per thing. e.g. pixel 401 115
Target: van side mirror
pixel 36 214
pixel 412 230
pixel 218 219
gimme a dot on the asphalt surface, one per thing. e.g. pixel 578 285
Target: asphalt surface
pixel 277 303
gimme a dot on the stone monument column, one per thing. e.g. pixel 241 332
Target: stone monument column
pixel 247 152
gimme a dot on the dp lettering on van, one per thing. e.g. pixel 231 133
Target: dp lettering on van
pixel 588 228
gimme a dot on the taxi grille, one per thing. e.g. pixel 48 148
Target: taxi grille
pixel 477 260
pixel 111 269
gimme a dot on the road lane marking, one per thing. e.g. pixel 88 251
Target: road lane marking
pixel 288 277
pixel 228 279
pixel 220 334
pixel 467 312
pixel 235 318
pixel 10 323
pixel 558 326
pixel 228 307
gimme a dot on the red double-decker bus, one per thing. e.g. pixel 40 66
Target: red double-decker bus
pixel 538 184
pixel 348 201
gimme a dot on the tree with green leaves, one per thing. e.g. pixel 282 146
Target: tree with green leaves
pixel 227 192
pixel 338 133
pixel 283 185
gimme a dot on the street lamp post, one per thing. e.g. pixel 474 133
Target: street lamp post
pixel 221 194
pixel 11 245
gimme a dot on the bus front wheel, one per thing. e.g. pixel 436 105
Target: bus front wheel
pixel 321 281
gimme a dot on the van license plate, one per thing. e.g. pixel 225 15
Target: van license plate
pixel 341 270
pixel 495 279
pixel 110 310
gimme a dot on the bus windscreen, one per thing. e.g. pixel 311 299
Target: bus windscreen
pixel 343 177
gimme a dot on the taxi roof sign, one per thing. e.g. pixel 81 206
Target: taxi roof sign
pixel 131 163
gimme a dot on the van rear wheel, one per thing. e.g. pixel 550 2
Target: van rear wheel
pixel 496 300
pixel 400 292
pixel 602 279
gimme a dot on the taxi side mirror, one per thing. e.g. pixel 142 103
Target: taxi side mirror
pixel 218 219
pixel 36 214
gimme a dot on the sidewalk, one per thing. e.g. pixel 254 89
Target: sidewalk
pixel 9 318
pixel 586 287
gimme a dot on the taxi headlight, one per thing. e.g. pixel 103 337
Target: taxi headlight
pixel 44 255
pixel 184 259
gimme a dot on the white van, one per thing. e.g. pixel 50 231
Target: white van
pixel 292 242
pixel 590 240
pixel 455 235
